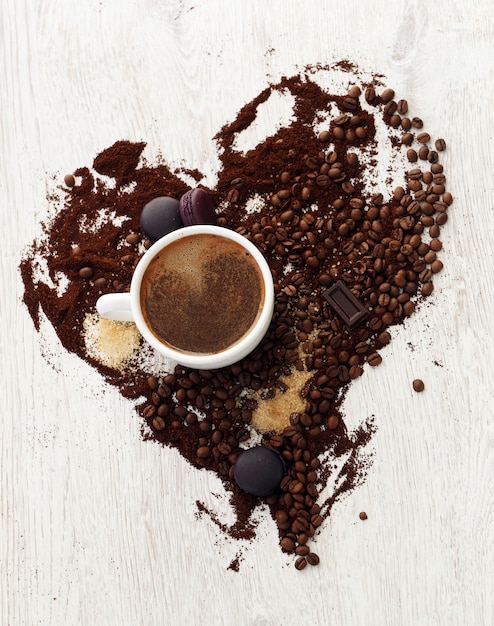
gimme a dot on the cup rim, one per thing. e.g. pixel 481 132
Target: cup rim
pixel 229 355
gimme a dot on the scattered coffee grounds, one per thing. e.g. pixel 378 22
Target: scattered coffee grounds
pixel 328 202
pixel 235 564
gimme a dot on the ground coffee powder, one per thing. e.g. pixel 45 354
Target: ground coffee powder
pixel 312 198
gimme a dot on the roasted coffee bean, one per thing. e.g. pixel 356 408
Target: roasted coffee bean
pixel 338 133
pixel 287 216
pixel 312 558
pixel 440 145
pixel 423 153
pixel 287 544
pixel 316 520
pixel 436 266
pixel 384 338
pixel 100 283
pixel 349 103
pixel 402 107
pixel 170 379
pixel 447 198
pixel 355 371
pixel 300 563
pixel 398 193
pixel 427 289
pixel 180 411
pixel 86 272
pixel 163 410
pixel 394 121
pixel 430 257
pixel 375 323
pixel 203 452
pixel 432 156
pixel 332 422
pixel 191 418
pixel 69 180
pixel 216 435
pixel 153 382
pixel 425 275
pixel 205 426
pixel 233 195
pixel 423 137
pixel 324 136
pixel 370 95
pixel 224 448
pixel 390 108
pixel 374 359
pixel 281 516
pixel 350 135
pixel 133 238
pixel 299 525
pixel 158 423
pixel 348 187
pixel 387 95
pixel 418 385
pixel 294 418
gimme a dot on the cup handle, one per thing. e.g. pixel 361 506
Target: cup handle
pixel 115 306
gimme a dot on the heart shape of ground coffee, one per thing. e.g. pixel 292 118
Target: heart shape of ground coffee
pixel 313 198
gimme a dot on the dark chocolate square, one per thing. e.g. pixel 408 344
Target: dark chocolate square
pixel 345 304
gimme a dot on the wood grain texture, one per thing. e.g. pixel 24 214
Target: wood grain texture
pixel 98 527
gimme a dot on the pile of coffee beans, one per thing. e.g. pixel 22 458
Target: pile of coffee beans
pixel 301 197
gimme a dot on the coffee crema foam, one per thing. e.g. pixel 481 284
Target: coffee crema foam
pixel 202 294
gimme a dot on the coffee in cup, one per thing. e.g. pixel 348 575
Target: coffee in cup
pixel 202 295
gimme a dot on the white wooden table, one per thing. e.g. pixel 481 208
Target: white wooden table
pixel 98 527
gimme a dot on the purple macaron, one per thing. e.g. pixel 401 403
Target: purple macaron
pixel 160 216
pixel 196 207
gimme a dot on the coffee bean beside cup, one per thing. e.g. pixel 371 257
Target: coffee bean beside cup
pixel 202 295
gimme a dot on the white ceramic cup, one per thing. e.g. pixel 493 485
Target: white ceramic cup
pixel 126 307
